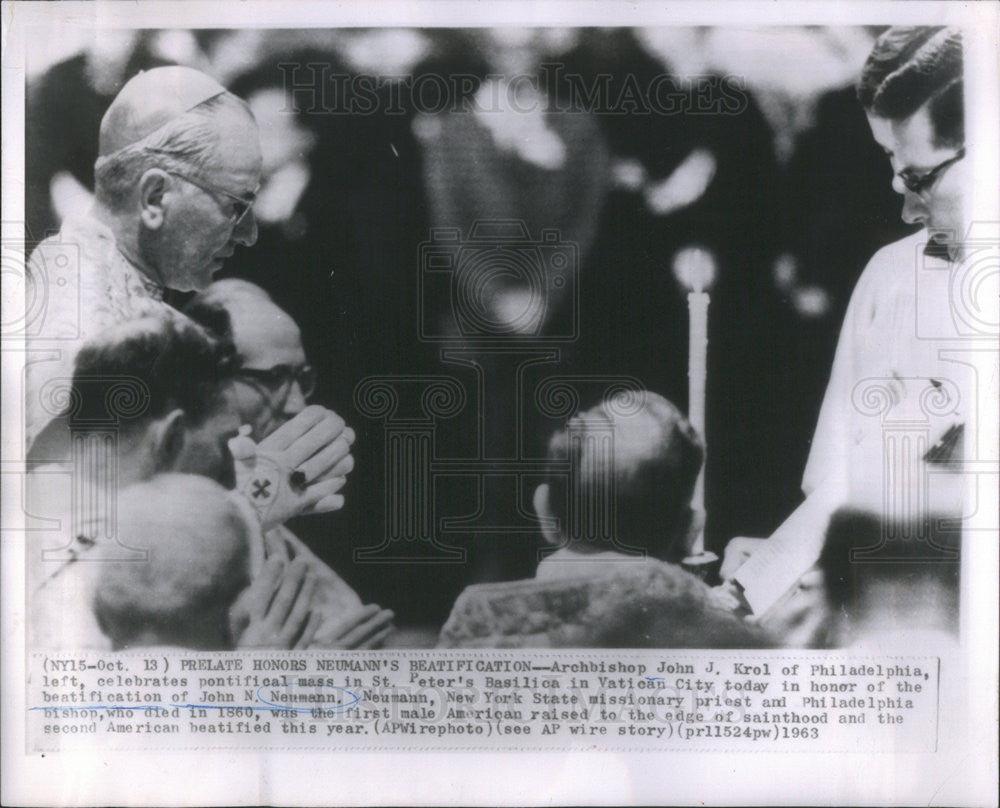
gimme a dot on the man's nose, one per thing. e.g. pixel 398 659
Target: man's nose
pixel 246 231
pixel 296 401
pixel 914 208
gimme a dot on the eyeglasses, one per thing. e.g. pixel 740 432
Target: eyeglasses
pixel 921 183
pixel 241 205
pixel 275 383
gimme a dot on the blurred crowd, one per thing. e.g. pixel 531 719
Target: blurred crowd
pixel 771 170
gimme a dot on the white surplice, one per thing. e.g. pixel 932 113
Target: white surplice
pixel 79 284
pixel 897 375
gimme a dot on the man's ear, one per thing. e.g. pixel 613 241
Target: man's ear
pixel 154 185
pixel 549 523
pixel 167 440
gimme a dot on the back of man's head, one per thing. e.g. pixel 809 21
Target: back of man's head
pixel 134 373
pixel 196 544
pixel 632 462
pixel 913 66
pixel 170 359
pixel 216 307
pixel 885 579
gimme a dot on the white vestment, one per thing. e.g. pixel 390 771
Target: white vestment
pixel 900 392
pixel 898 381
pixel 78 285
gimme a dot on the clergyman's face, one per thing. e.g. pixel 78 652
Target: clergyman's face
pixel 940 206
pixel 268 342
pixel 200 230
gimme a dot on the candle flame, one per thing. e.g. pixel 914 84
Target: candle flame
pixel 694 268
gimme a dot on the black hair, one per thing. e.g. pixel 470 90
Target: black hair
pixel 913 66
pixel 863 554
pixel 212 315
pixel 144 368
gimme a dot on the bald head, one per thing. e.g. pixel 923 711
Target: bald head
pixel 237 310
pixel 261 329
pixel 196 542
pixel 244 314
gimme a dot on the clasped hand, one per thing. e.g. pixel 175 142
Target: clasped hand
pixel 297 469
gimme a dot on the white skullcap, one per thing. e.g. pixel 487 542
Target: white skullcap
pixel 150 100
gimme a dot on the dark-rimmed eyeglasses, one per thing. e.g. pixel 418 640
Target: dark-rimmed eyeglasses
pixel 275 383
pixel 921 183
pixel 241 205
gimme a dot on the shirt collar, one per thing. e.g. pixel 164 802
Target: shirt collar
pixel 937 249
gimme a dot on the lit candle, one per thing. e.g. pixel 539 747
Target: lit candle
pixel 694 267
